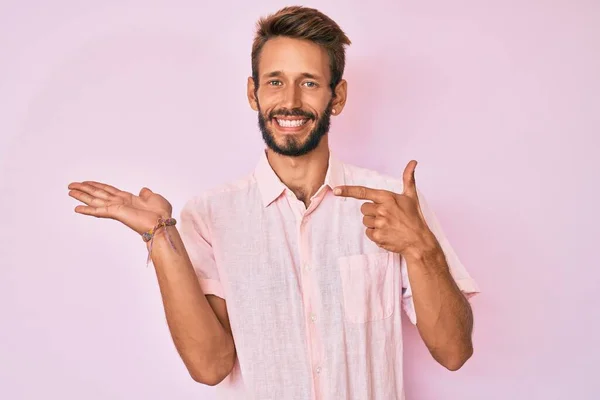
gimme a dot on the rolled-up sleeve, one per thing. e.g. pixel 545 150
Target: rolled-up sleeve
pixel 196 238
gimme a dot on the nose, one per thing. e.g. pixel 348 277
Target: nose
pixel 292 97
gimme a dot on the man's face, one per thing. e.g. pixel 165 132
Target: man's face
pixel 293 98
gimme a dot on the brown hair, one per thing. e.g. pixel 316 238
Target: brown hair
pixel 303 23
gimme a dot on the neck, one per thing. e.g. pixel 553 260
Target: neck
pixel 303 175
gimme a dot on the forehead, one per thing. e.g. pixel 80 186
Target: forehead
pixel 293 57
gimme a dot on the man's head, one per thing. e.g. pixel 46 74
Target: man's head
pixel 298 60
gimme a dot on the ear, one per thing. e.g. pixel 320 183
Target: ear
pixel 251 96
pixel 341 91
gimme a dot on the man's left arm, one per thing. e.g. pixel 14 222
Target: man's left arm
pixel 433 299
pixel 445 318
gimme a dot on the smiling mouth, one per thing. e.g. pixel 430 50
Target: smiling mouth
pixel 291 123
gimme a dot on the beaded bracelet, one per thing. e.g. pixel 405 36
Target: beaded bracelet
pixel 149 236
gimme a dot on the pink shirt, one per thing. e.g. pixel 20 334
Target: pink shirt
pixel 314 304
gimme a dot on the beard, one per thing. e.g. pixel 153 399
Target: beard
pixel 292 147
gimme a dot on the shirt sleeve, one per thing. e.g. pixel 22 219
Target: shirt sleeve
pixel 196 238
pixel 462 278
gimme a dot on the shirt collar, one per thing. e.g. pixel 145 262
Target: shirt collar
pixel 271 187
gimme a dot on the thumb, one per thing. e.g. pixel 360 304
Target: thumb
pixel 145 193
pixel 408 178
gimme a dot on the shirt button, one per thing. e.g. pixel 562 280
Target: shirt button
pixel 307 267
pixel 313 317
pixel 318 370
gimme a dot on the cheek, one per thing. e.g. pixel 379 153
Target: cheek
pixel 318 101
pixel 267 95
pixel 266 104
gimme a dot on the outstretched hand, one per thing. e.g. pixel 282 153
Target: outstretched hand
pixel 139 213
pixel 393 221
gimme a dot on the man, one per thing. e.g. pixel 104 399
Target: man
pixel 289 284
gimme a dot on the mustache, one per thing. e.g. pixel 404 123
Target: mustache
pixel 296 112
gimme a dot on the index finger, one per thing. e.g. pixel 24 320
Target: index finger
pixel 362 193
pixel 106 187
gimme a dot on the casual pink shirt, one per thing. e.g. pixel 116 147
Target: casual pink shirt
pixel 314 304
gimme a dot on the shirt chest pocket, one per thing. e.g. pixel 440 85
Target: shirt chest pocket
pixel 368 286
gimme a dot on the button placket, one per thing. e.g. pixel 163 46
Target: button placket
pixel 307 283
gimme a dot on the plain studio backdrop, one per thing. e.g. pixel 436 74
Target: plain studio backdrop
pixel 497 100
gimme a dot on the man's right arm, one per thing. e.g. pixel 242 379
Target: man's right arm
pixel 199 324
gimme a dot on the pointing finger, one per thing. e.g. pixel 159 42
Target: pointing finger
pixel 362 193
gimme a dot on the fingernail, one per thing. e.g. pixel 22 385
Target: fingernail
pixel 337 191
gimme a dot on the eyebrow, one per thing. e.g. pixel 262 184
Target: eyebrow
pixel 275 74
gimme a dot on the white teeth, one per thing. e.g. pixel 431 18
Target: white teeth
pixel 286 123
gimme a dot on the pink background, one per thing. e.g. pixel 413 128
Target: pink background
pixel 498 101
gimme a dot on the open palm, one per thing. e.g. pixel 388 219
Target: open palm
pixel 139 213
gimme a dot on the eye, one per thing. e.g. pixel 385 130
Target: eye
pixel 310 84
pixel 274 83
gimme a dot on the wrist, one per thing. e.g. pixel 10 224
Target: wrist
pixel 425 246
pixel 157 235
pixel 158 231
